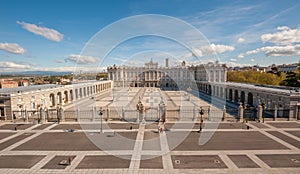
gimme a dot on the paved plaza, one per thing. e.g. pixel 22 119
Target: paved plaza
pixel 132 146
pixel 270 147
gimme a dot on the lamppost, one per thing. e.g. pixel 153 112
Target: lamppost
pixel 100 112
pixel 263 105
pixel 201 112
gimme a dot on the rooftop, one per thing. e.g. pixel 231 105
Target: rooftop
pixel 38 87
pixel 27 88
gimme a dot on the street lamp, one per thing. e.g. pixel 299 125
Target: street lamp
pixel 100 112
pixel 201 112
pixel 263 105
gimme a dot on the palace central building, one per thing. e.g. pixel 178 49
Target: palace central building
pixel 151 75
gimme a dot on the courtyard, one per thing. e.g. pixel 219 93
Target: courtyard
pixel 272 147
pixel 127 142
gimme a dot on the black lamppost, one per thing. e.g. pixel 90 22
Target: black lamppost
pixel 263 105
pixel 201 112
pixel 100 112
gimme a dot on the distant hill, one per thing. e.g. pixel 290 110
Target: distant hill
pixel 35 73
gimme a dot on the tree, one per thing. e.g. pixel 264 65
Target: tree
pixel 292 79
pixel 255 77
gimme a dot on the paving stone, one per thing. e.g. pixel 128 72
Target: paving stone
pixel 295 133
pixel 15 126
pixel 151 141
pixel 42 126
pixel 5 134
pixel 243 161
pixel 284 124
pixel 281 160
pixel 56 162
pixel 260 125
pixel 285 138
pixel 14 140
pixel 197 162
pixel 151 162
pixel 103 162
pixel 60 141
pixel 246 140
pixel 205 125
pixel 19 161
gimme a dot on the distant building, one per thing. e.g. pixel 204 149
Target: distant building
pixel 287 68
pixel 8 84
pixel 23 83
pixel 168 76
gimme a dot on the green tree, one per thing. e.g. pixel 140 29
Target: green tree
pixel 292 79
pixel 255 77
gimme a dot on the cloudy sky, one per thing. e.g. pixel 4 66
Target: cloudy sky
pixel 56 35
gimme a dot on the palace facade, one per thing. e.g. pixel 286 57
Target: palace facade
pixel 151 75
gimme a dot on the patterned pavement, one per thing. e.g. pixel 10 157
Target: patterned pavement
pixel 270 147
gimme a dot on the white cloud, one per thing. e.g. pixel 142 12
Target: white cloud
pixel 285 36
pixel 235 64
pixel 12 48
pixel 47 33
pixel 12 65
pixel 212 49
pixel 287 50
pixel 59 61
pixel 241 56
pixel 81 59
pixel 283 28
pixel 241 40
pixel 72 69
pixel 233 60
pixel 252 60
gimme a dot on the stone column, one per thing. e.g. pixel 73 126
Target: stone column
pixel 26 116
pixel 241 113
pixel 297 116
pixel 62 113
pixel 260 113
pixel 275 112
pixel 291 113
pixel 43 118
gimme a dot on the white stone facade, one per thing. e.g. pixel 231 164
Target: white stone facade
pixel 177 76
pixel 47 96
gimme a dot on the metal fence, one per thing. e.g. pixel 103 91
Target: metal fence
pixel 250 114
pixel 151 114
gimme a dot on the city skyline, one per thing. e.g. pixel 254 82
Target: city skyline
pixel 51 35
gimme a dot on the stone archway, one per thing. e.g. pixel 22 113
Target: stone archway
pixel 250 99
pixel 52 99
pixel 243 97
pixel 236 95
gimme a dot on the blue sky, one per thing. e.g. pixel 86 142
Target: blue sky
pixel 53 35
